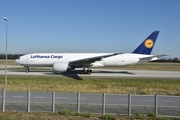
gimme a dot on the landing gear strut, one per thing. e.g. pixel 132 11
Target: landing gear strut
pixel 27 69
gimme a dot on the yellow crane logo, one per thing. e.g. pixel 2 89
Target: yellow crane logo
pixel 149 43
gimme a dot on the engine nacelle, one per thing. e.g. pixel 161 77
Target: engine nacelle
pixel 96 64
pixel 60 67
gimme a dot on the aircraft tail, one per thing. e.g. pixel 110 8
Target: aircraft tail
pixel 147 45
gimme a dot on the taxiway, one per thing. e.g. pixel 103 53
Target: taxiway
pixel 99 73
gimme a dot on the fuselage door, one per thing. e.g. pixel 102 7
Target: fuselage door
pixel 27 59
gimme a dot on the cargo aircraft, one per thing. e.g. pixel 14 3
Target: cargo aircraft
pixel 64 62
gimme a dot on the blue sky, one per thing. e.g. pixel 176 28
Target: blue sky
pixel 89 25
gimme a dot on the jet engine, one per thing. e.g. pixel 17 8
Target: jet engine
pixel 60 67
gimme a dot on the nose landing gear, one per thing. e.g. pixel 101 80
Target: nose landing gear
pixel 27 69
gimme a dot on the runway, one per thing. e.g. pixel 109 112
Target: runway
pixel 98 73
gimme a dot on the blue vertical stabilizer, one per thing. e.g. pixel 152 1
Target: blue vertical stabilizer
pixel 147 45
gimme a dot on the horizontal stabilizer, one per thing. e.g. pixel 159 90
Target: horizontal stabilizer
pixel 152 58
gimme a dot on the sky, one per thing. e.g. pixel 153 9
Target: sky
pixel 90 26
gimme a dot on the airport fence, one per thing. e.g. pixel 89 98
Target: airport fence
pixel 121 104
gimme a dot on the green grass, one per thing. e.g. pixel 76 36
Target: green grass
pixel 152 115
pixel 51 116
pixel 93 85
pixel 10 62
pixel 65 112
pixel 152 66
pixel 108 117
pixel 86 114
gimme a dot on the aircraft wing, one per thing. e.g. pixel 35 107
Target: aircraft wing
pixel 153 56
pixel 88 61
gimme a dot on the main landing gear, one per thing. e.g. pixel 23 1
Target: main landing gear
pixel 86 70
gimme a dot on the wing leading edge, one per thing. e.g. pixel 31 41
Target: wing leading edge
pixel 88 61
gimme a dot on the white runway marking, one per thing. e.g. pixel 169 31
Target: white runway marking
pixel 148 100
pixel 38 97
pixel 169 101
pixel 101 99
pixel 82 98
pixel 60 97
pixel 18 96
pixel 124 99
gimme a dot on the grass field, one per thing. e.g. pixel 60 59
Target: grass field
pixel 83 116
pixel 99 85
pixel 93 85
pixel 153 66
pixel 10 62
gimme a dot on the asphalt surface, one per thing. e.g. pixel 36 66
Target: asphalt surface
pixel 114 103
pixel 111 99
pixel 97 73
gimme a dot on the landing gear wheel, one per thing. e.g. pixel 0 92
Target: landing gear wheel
pixel 27 69
pixel 86 72
pixel 83 72
pixel 89 72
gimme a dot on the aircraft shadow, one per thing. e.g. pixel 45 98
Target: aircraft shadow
pixel 121 72
pixel 69 74
pixel 30 71
pixel 76 74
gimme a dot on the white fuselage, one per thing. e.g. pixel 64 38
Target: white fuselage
pixel 48 59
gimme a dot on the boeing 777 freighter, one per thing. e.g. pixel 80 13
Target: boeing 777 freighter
pixel 63 62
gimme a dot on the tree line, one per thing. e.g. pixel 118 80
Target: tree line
pixel 15 56
pixel 10 56
pixel 174 60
